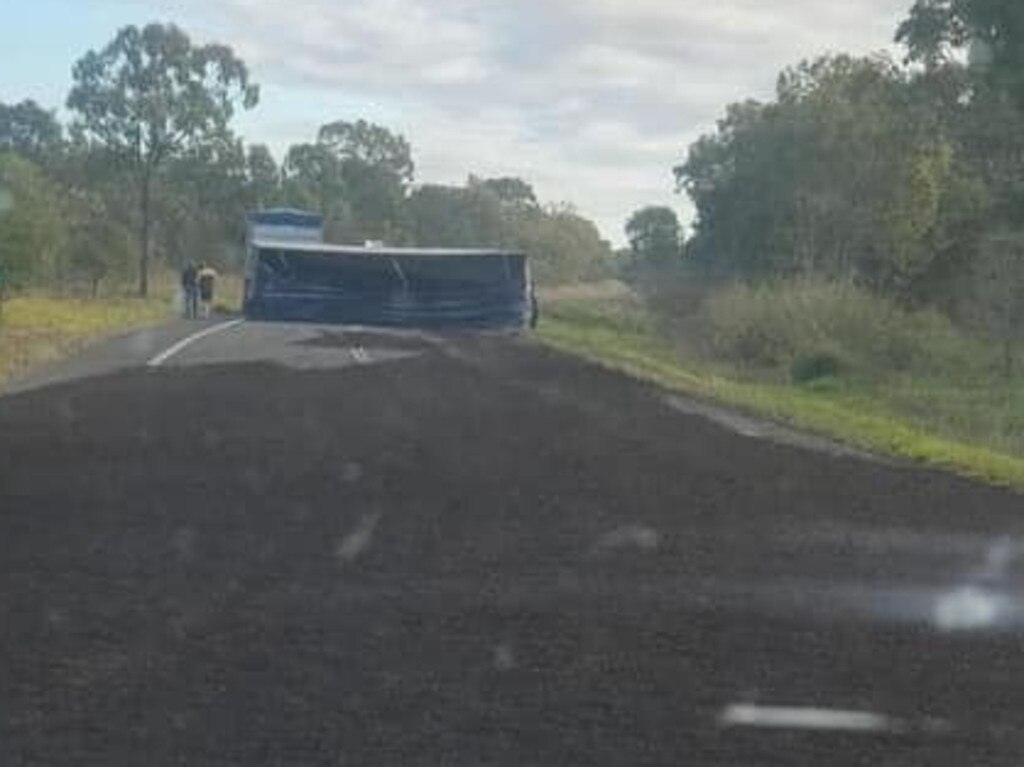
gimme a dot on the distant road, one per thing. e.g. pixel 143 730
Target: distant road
pixel 234 543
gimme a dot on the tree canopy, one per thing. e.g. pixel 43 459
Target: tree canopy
pixel 992 31
pixel 151 95
pixel 508 190
pixel 563 245
pixel 32 229
pixel 847 173
pixel 654 237
pixel 28 129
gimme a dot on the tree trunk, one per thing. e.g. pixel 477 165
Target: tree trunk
pixel 144 249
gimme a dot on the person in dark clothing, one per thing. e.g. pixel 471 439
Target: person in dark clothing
pixel 190 287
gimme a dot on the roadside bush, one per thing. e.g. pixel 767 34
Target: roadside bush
pixel 815 366
pixel 32 231
pixel 672 291
pixel 610 305
pixel 814 328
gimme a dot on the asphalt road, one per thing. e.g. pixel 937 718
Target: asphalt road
pixel 299 545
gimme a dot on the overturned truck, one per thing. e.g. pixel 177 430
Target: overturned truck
pixel 293 275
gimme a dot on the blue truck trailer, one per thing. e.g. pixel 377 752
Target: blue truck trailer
pixel 293 275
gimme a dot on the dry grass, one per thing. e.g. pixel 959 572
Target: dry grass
pixel 36 329
pixel 228 296
pixel 586 291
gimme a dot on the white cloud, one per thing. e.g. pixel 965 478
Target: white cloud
pixel 591 100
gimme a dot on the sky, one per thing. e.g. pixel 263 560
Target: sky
pixel 591 101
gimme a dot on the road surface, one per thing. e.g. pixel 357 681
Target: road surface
pixel 260 544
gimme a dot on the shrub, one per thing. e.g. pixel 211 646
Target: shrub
pixel 813 328
pixel 815 366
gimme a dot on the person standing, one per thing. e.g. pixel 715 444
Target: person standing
pixel 206 278
pixel 190 288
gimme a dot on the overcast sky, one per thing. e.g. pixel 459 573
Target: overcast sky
pixel 592 101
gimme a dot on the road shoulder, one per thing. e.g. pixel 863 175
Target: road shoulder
pixel 127 349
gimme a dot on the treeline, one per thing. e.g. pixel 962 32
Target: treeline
pixel 905 178
pixel 148 170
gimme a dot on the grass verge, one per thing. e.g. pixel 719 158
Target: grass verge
pixel 621 336
pixel 37 329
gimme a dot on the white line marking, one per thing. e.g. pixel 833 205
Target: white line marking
pixel 781 718
pixel 356 542
pixel 630 536
pixel 170 351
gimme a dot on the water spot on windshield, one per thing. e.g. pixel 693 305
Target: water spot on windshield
pixel 211 438
pixel 969 608
pixel 254 480
pixel 183 543
pixel 352 472
pixel 630 536
pixel 504 657
pixel 352 546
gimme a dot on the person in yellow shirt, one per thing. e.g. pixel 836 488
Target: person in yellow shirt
pixel 206 280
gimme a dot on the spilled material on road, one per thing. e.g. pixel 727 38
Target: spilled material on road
pixel 483 553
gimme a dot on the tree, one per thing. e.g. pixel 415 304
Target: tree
pixel 202 202
pixel 849 173
pixel 150 95
pixel 983 101
pixel 377 202
pixel 509 190
pixel 371 145
pixel 992 30
pixel 312 179
pixel 563 246
pixel 263 178
pixel 654 237
pixel 28 129
pixel 999 275
pixel 99 247
pixel 32 230
pixel 377 168
pixel 454 216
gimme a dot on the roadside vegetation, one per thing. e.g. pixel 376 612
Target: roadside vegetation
pixel 959 418
pixel 855 261
pixel 41 326
pixel 36 329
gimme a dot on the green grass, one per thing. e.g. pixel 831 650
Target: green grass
pixel 618 332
